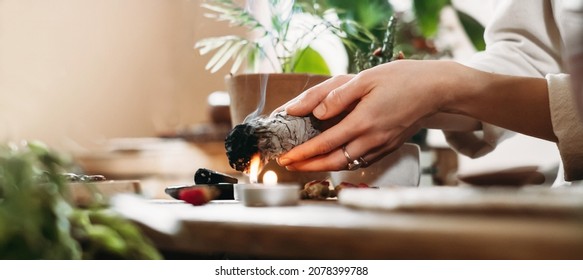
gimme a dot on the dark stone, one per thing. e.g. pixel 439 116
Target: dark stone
pixel 207 176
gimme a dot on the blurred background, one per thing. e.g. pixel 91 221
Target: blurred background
pixel 77 72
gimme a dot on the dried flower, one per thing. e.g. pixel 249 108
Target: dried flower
pixel 319 190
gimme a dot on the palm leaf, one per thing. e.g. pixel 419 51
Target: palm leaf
pixel 231 53
pixel 227 10
pixel 239 58
pixel 207 45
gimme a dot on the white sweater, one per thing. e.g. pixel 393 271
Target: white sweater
pixel 528 38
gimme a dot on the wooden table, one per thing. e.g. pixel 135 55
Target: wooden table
pixel 328 230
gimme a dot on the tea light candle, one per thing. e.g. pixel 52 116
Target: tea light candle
pixel 270 193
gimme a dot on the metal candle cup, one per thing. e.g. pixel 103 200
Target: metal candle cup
pixel 258 195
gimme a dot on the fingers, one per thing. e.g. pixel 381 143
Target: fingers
pixel 328 141
pixel 341 98
pixel 282 107
pixel 305 103
pixel 365 149
pixel 335 160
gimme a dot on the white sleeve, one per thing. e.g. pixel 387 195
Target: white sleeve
pixel 522 39
pixel 566 125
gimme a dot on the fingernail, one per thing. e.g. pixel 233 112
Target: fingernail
pixel 292 105
pixel 320 110
pixel 289 110
pixel 290 168
pixel 283 161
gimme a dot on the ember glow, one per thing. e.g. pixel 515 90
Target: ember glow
pixel 254 167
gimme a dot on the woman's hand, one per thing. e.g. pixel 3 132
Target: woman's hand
pixel 384 107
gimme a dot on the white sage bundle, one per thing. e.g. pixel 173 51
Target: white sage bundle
pixel 270 137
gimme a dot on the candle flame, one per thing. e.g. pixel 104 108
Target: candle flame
pixel 254 166
pixel 270 178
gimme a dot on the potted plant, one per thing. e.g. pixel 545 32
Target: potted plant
pixel 279 55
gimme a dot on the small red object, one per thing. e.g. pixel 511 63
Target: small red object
pixel 347 185
pixel 362 185
pixel 196 196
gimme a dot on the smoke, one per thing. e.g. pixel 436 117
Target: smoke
pixel 263 95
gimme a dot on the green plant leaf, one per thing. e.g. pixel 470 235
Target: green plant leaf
pixel 310 61
pixel 474 30
pixel 427 13
pixel 370 14
pixel 36 218
pixel 356 32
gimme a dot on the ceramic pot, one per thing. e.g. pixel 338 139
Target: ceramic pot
pixel 245 93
